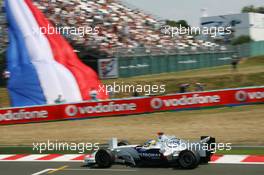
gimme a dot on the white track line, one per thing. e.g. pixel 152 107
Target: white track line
pixel 43 171
pixel 89 169
pixel 111 170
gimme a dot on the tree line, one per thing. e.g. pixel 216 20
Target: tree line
pixel 252 9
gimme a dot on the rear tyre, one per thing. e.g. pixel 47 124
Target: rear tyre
pixel 189 159
pixel 104 158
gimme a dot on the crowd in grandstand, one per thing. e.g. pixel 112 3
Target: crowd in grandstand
pixel 3 32
pixel 118 27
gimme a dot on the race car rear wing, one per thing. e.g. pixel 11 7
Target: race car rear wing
pixel 113 143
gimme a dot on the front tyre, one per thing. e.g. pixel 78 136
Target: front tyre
pixel 104 158
pixel 189 159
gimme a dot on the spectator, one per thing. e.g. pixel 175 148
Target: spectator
pixel 135 94
pixel 110 91
pixel 6 74
pixel 199 87
pixel 59 100
pixel 183 88
pixel 93 94
pixel 234 63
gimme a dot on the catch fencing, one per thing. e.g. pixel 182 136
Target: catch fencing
pixel 156 64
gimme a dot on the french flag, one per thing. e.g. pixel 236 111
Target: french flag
pixel 43 66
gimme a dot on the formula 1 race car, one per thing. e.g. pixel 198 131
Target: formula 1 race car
pixel 165 151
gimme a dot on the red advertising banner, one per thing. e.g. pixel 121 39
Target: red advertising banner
pixel 226 97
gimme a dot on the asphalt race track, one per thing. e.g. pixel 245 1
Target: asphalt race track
pixel 67 168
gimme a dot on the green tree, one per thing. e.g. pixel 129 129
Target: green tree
pixel 179 23
pixel 248 9
pixel 260 10
pixel 241 40
pixel 171 23
pixel 252 9
pixel 183 23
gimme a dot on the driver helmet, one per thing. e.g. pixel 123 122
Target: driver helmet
pixel 152 142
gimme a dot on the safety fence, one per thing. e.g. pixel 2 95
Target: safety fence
pixel 250 49
pixel 227 97
pixel 155 64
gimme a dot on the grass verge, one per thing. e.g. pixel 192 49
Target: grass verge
pixel 243 151
pixel 250 73
pixel 29 150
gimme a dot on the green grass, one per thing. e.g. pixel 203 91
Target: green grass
pixel 4 98
pixel 29 150
pixel 251 65
pixel 254 151
pixel 250 73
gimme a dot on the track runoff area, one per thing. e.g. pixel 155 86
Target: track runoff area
pixel 71 168
pixel 73 164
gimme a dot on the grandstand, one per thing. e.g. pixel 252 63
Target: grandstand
pixel 3 30
pixel 122 30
